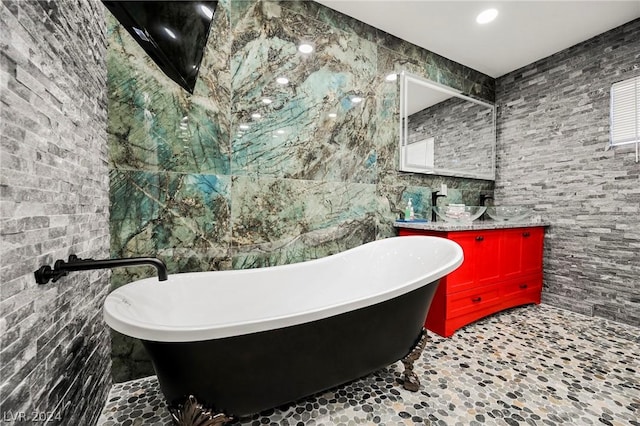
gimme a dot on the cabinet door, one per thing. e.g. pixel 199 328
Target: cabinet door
pixel 481 259
pixel 464 276
pixel 521 252
pixel 487 255
pixel 532 248
pixel 511 253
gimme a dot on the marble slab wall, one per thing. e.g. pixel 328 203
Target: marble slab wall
pixel 222 179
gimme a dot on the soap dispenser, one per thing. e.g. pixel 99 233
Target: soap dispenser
pixel 408 211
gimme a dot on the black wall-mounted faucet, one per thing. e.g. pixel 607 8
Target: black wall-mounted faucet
pixel 62 268
pixel 434 200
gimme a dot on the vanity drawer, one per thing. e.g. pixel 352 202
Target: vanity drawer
pixel 514 288
pixel 472 300
pixel 521 291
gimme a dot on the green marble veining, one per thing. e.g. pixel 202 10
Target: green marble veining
pixel 387 131
pixel 192 187
pixel 278 221
pixel 153 124
pixel 433 66
pixel 295 136
pixel 393 199
pixel 156 213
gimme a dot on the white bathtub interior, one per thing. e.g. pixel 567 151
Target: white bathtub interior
pixel 205 305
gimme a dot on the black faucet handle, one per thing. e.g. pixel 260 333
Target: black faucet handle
pixel 45 274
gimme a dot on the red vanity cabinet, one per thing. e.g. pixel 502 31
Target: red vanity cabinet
pixel 502 268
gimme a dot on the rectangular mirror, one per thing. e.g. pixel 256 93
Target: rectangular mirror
pixel 444 132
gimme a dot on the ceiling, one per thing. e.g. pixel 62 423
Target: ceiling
pixel 523 32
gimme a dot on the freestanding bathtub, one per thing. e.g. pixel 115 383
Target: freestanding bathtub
pixel 239 342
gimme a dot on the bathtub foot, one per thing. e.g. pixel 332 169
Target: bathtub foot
pixel 411 381
pixel 192 413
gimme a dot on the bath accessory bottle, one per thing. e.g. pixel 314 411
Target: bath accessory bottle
pixel 408 211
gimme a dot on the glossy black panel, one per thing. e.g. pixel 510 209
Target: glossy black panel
pixel 173 33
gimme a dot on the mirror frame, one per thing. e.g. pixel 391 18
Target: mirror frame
pixel 405 79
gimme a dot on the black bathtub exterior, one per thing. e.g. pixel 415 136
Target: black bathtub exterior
pixel 250 373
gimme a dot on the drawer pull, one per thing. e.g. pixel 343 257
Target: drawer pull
pixel 523 286
pixel 479 238
pixel 525 234
pixel 476 299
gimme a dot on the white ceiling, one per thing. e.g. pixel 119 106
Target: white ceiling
pixel 523 32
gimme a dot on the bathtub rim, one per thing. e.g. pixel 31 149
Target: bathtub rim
pixel 151 331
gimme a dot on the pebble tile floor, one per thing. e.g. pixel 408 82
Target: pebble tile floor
pixel 532 365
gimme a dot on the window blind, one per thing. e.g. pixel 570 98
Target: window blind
pixel 625 112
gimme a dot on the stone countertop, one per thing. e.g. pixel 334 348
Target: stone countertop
pixel 473 226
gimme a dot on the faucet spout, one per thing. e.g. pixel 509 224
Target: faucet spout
pixel 62 268
pixel 434 200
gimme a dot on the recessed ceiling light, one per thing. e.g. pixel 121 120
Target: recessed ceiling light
pixel 305 48
pixel 486 16
pixel 282 80
pixel 391 77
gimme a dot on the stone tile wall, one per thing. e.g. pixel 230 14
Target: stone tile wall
pixel 193 187
pixel 54 190
pixel 553 130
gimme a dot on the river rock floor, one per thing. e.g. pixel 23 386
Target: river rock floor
pixel 532 365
